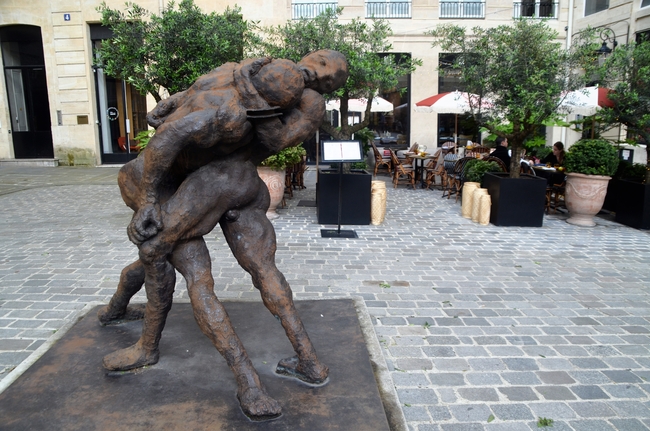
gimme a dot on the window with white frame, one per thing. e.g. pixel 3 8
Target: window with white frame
pixel 645 3
pixel 462 9
pixel 388 8
pixel 593 6
pixel 310 8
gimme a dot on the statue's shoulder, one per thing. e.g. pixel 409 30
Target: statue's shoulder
pixel 219 77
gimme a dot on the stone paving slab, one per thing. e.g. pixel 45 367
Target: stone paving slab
pixel 474 321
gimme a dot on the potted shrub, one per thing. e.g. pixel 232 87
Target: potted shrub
pixel 633 196
pixel 476 169
pixel 589 163
pixel 272 171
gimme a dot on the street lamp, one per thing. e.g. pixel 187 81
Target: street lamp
pixel 607 35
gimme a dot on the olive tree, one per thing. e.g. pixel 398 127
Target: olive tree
pixel 627 73
pixel 522 69
pixel 171 50
pixel 363 42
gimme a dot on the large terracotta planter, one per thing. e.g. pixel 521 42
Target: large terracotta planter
pixel 584 197
pixel 274 181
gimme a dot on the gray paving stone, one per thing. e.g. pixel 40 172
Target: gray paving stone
pixel 628 424
pixel 471 412
pixel 512 412
pixel 592 425
pixel 555 411
pixel 555 377
pixel 622 376
pixel 439 413
pixel 624 391
pixel 518 393
pixel 520 378
pixel 555 393
pixel 592 409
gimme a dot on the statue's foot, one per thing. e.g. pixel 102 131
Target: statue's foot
pixel 312 372
pixel 258 405
pixel 130 358
pixel 108 316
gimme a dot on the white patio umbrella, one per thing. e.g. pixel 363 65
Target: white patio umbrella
pixel 586 101
pixel 379 104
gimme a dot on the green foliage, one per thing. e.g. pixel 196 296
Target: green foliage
pixel 632 172
pixel 477 168
pixel 541 152
pixel 171 50
pixel 359 165
pixel 287 157
pixel 592 157
pixel 366 136
pixel 522 68
pixel 627 72
pixel 544 422
pixel 362 41
pixel 143 138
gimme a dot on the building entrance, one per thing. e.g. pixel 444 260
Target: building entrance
pixel 25 79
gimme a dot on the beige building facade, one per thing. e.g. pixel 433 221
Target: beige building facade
pixel 79 116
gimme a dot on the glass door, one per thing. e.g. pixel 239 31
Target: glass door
pixel 121 116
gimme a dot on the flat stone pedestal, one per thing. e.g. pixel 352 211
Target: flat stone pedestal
pixel 191 388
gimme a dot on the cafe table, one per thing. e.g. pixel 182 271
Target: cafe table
pixel 418 165
pixel 552 175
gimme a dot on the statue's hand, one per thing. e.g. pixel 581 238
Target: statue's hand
pixel 146 223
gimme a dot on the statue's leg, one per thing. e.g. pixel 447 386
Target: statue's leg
pixel 160 279
pixel 252 240
pixel 191 212
pixel 192 259
pixel 132 277
pixel 118 309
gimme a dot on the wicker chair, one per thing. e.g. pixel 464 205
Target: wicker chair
pixel 456 177
pixel 555 195
pixel 381 160
pixel 498 161
pixel 435 168
pixel 478 150
pixel 402 173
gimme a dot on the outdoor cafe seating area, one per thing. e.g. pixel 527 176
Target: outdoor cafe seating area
pixel 445 170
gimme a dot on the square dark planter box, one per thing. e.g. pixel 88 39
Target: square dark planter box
pixel 611 198
pixel 355 199
pixel 633 204
pixel 516 201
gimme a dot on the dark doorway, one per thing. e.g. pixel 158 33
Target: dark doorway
pixel 29 106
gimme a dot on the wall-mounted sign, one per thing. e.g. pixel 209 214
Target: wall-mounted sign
pixel 66 17
pixel 112 113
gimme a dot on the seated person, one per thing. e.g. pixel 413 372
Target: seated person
pixel 501 151
pixel 556 158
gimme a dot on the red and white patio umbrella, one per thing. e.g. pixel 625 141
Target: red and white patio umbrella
pixel 454 102
pixel 586 101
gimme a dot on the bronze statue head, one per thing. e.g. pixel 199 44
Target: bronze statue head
pixel 324 70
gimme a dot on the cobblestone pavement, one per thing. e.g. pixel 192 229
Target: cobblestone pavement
pixel 482 327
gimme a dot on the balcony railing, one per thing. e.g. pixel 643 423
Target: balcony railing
pixel 462 9
pixel 532 9
pixel 388 9
pixel 310 10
